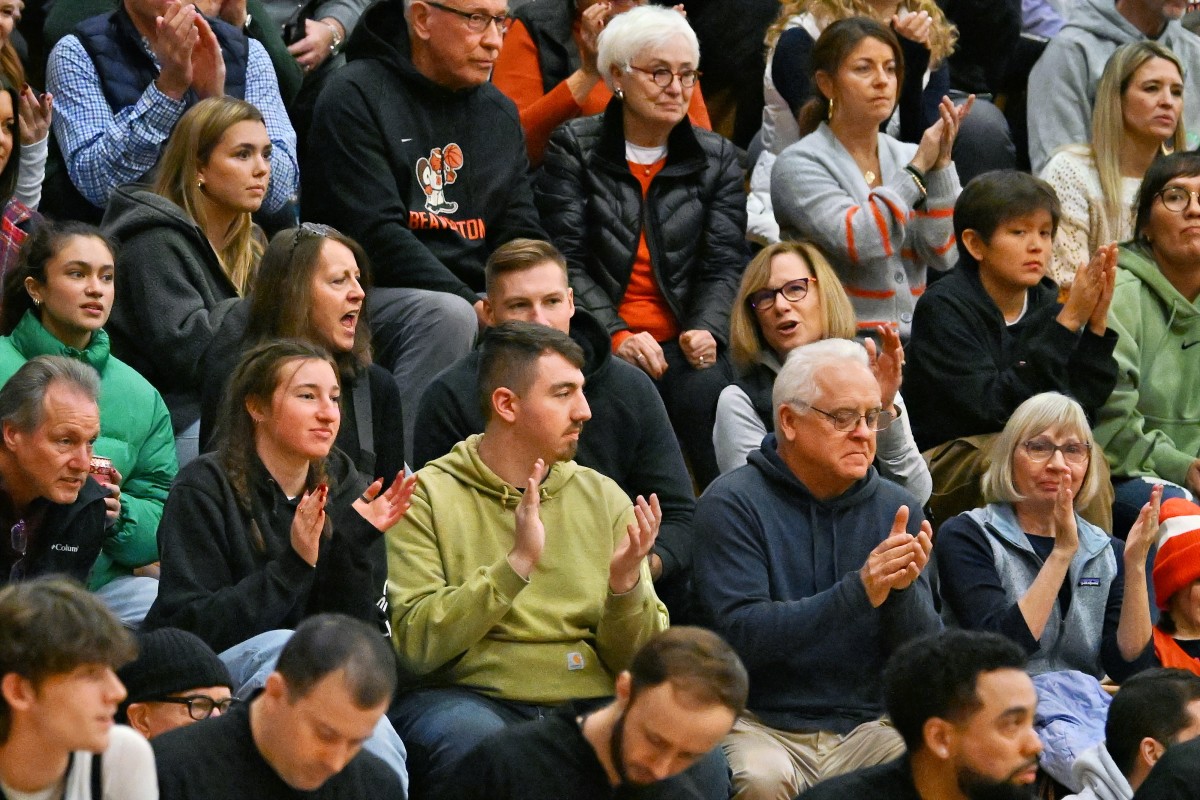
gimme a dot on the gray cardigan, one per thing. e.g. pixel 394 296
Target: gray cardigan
pixel 878 243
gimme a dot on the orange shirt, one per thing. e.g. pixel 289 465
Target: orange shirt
pixel 643 307
pixel 518 74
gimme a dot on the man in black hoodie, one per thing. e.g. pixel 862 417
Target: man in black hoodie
pixel 418 157
pixel 629 437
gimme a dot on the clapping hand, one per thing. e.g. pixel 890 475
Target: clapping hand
pixel 897 561
pixel 624 571
pixel 384 509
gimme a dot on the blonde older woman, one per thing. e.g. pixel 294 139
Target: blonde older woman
pixel 790 296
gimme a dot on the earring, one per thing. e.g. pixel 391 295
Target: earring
pixel 200 184
pixel 36 302
pixel 620 93
pixel 831 108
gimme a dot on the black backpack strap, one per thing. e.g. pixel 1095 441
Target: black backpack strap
pixel 366 428
pixel 97 770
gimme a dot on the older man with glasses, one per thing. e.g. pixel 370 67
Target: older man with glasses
pixel 811 566
pixel 416 156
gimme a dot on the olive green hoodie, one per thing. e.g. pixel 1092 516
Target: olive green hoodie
pixel 1150 425
pixel 461 616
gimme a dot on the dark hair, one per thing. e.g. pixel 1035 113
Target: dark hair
pixel 328 643
pixel 696 661
pixel 935 676
pixel 993 198
pixel 43 243
pixel 8 175
pixel 23 396
pixel 519 255
pixel 257 376
pixel 282 297
pixel 50 626
pixel 1162 171
pixel 1152 703
pixel 509 352
pixel 834 46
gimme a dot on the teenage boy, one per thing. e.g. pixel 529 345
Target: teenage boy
pixel 992 333
pixel 59 647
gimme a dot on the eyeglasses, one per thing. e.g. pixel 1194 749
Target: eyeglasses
pixel 664 77
pixel 846 419
pixel 19 543
pixel 792 291
pixel 200 706
pixel 477 22
pixel 1042 450
pixel 1176 198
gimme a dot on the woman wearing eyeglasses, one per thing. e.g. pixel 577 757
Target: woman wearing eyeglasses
pixel 789 297
pixel 650 214
pixel 1150 426
pixel 1029 567
pixel 188 251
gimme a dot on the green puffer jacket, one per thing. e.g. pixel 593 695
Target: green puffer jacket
pixel 135 432
pixel 1150 425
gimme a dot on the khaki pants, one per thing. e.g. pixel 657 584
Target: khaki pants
pixel 771 764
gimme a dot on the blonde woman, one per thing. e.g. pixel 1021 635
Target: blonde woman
pixel 926 38
pixel 188 250
pixel 1138 114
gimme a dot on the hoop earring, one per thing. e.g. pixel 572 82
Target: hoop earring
pixel 620 93
pixel 200 184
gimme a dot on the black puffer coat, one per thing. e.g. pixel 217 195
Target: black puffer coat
pixel 591 205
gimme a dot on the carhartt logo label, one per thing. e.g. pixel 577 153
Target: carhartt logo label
pixel 574 661
pixel 64 548
pixel 436 173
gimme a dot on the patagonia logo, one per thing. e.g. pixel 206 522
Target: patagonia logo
pixel 1089 581
pixel 574 661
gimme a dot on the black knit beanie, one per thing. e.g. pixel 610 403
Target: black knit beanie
pixel 170 661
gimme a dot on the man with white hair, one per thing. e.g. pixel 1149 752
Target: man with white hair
pixel 811 566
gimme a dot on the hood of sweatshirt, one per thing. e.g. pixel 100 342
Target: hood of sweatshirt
pixel 767 461
pixel 590 335
pixel 133 209
pixel 465 466
pixel 1097 773
pixel 1139 262
pixel 1101 19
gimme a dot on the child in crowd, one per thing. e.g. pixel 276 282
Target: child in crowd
pixel 992 333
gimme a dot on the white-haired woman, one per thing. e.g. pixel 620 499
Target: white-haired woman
pixel 1029 567
pixel 650 214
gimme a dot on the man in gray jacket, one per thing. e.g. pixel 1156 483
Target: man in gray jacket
pixel 1062 85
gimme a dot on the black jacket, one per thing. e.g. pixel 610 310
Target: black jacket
pixel 550 24
pixel 967 370
pixel 68 540
pixel 628 438
pixel 387 423
pixel 695 220
pixel 376 127
pixel 218 585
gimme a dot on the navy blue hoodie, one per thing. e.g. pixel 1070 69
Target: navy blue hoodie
pixel 381 165
pixel 776 574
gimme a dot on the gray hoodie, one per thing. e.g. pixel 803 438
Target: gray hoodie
pixel 1099 776
pixel 1062 85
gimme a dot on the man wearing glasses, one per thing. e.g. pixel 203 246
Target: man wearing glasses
pixel 420 159
pixel 176 680
pixel 811 566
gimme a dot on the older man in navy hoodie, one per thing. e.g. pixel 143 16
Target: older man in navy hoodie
pixel 418 157
pixel 811 566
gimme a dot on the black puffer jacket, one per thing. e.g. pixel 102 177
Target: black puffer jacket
pixel 591 205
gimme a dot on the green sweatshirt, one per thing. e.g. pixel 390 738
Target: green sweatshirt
pixel 461 616
pixel 135 432
pixel 1150 425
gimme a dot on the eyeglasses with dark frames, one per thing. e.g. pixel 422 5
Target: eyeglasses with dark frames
pixel 846 419
pixel 663 77
pixel 792 291
pixel 1176 198
pixel 477 22
pixel 200 706
pixel 1041 450
pixel 20 543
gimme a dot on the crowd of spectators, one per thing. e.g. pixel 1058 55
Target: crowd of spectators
pixel 454 400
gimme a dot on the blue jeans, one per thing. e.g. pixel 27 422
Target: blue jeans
pixel 249 664
pixel 441 726
pixel 129 598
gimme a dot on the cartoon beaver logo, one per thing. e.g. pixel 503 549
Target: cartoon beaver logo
pixel 436 173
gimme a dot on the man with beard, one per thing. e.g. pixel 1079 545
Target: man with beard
pixel 518 580
pixel 965 707
pixel 680 695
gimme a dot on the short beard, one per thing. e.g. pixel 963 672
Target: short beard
pixel 976 786
pixel 616 749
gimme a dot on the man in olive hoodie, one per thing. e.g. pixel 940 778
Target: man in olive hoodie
pixel 518 580
pixel 419 158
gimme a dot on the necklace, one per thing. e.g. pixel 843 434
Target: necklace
pixel 870 176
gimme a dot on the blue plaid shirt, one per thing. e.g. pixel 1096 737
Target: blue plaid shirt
pixel 105 150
